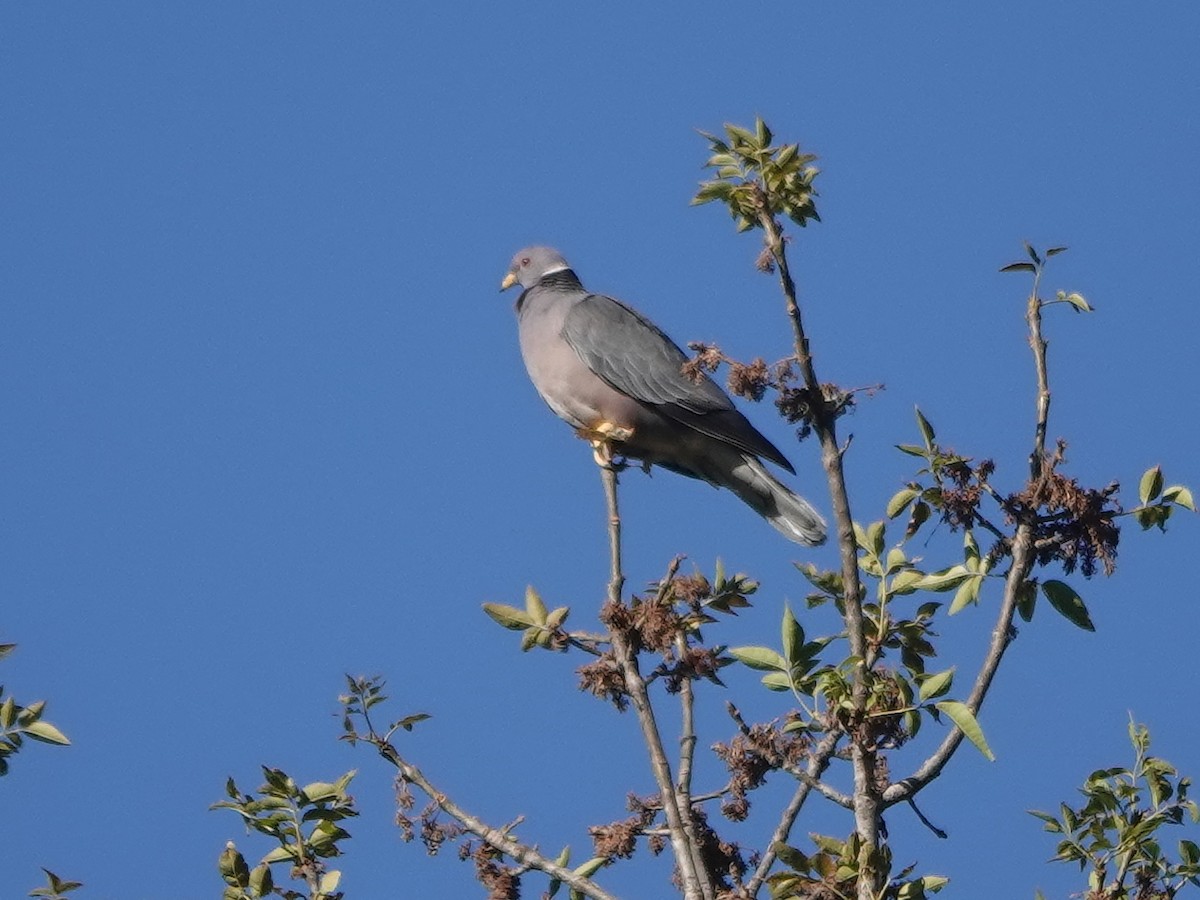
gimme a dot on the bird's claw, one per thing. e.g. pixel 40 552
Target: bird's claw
pixel 601 436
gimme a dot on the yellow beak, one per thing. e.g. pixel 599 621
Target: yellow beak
pixel 509 280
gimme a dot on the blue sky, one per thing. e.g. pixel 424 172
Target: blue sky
pixel 265 420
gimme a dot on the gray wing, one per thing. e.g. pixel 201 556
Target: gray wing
pixel 636 358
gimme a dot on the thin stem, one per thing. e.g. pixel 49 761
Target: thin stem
pixel 697 884
pixel 1033 316
pixel 817 763
pixel 687 735
pixel 1024 556
pixel 866 795
pixel 495 837
pixel 801 775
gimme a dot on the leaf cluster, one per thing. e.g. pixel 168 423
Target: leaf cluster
pixel 1116 831
pixel 835 869
pixel 756 178
pixel 305 821
pixel 364 693
pixel 19 722
pixel 56 888
pixel 1157 503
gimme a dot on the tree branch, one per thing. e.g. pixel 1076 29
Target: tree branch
pixel 866 796
pixel 696 882
pixel 817 763
pixel 521 853
pixel 1024 556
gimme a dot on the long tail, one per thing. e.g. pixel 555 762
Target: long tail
pixel 789 513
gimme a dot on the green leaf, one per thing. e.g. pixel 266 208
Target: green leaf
pixel 739 135
pixel 1054 251
pixel 896 560
pixel 791 857
pixel 261 882
pixel 945 580
pixel 319 792
pixel 793 637
pixel 907 581
pixel 534 605
pixel 1032 253
pixel 960 714
pixel 555 884
pixel 1151 484
pixel 968 592
pixel 927 432
pixel 912 449
pixel 1027 599
pixel 900 501
pixel 762 658
pixel 875 538
pixel 408 722
pixel 1019 267
pixel 712 190
pixel 591 867
pixel 763 133
pixel 509 616
pixel 1051 822
pixel 1064 599
pixel 1076 300
pixel 920 514
pixel 1180 496
pixel 329 881
pixel 931 686
pixel 777 681
pixel 280 854
pixel 46 733
pixel 970 547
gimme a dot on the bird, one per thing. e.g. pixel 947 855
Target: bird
pixel 615 377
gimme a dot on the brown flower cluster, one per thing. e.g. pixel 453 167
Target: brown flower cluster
pixel 750 756
pixel 604 679
pixel 707 360
pixel 960 502
pixel 1076 525
pixel 749 381
pixel 723 859
pixel 501 881
pixel 434 833
pixel 691 589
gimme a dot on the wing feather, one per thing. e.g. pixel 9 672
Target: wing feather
pixel 635 357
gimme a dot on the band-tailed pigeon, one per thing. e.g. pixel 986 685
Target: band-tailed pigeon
pixel 613 375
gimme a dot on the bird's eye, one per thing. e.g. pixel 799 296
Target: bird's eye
pixel 524 260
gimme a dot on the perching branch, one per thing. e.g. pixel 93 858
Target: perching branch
pixel 696 882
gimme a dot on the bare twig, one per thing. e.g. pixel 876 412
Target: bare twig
pixel 495 837
pixel 687 735
pixel 802 775
pixel 817 763
pixel 1024 557
pixel 1033 315
pixel 696 882
pixel 924 821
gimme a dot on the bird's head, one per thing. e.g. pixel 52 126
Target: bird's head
pixel 531 264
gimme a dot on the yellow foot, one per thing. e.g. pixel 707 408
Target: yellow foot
pixel 601 436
